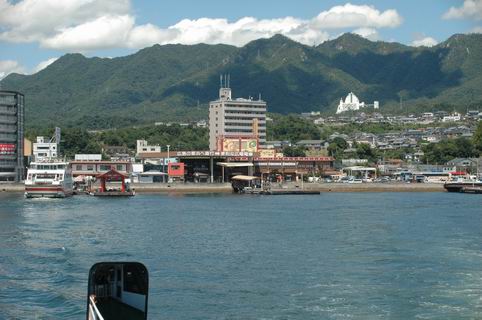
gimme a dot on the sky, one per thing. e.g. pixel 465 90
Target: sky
pixel 34 33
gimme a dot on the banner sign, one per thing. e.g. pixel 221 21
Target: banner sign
pixel 7 148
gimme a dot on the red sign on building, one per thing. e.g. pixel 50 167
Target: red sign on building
pixel 7 148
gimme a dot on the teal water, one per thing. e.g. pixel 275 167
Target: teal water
pixel 333 256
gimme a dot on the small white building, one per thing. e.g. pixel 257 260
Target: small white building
pixel 143 147
pixel 452 118
pixel 44 149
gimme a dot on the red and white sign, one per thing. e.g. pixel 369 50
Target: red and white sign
pixel 7 148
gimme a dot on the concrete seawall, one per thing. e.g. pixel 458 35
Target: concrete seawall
pixel 226 187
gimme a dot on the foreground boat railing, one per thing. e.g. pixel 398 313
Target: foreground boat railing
pixel 94 313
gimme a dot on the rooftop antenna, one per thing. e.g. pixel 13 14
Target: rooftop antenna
pixel 229 76
pixel 220 80
pixel 259 96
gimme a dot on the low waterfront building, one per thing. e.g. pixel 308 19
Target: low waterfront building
pixel 95 167
pixel 219 166
pixel 12 105
pixel 293 168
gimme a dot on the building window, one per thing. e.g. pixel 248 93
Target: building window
pixel 90 167
pixel 153 149
pixel 144 149
pixel 120 167
pixel 78 167
pixel 104 167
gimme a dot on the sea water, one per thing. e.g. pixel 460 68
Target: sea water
pixel 332 256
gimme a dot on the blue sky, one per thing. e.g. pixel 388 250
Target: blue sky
pixel 31 36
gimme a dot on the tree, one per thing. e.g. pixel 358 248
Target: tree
pixel 337 146
pixel 294 151
pixel 477 138
pixel 446 150
pixel 364 151
pixel 291 128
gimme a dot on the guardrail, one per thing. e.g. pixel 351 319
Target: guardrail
pixel 94 313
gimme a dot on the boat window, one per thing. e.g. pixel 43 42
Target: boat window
pixel 135 279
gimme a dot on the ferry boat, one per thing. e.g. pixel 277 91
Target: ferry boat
pixel 52 179
pixel 462 184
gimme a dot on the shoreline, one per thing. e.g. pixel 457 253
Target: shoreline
pixel 226 187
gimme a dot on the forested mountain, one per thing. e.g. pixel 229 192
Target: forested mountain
pixel 176 82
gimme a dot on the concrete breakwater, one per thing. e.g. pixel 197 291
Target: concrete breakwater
pixel 226 187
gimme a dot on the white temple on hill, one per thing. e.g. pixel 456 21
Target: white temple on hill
pixel 352 103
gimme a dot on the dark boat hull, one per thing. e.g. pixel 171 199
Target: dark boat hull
pixel 459 186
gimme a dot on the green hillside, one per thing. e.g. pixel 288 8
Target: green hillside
pixel 176 82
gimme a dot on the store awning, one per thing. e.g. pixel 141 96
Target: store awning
pixel 245 178
pixel 235 164
pixel 152 173
pixel 458 173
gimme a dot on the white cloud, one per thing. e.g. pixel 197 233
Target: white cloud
pixel 10 66
pixel 103 32
pixel 357 16
pixel 237 33
pixel 426 42
pixel 34 20
pixel 369 33
pixel 84 25
pixel 476 30
pixel 471 9
pixel 44 64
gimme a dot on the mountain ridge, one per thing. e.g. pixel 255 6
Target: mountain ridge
pixel 176 82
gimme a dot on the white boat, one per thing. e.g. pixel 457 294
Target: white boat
pixel 50 179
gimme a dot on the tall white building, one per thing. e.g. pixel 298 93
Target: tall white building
pixel 235 118
pixel 352 103
pixel 44 149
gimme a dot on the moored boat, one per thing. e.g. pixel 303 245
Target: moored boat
pixel 459 186
pixel 50 179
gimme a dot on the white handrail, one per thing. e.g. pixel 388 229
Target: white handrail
pixel 94 311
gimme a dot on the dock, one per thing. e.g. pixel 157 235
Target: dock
pixel 288 191
pixel 114 194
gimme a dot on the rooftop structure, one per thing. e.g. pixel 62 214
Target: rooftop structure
pixel 45 149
